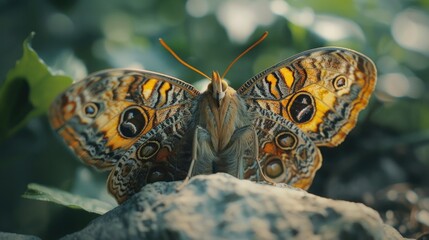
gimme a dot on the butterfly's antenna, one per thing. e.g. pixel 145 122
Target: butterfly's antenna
pixel 181 60
pixel 244 52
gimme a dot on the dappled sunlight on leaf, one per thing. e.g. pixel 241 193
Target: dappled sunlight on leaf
pixel 91 184
pixel 42 193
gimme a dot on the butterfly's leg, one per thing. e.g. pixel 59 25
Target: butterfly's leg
pixel 242 153
pixel 194 154
pixel 200 143
pixel 246 152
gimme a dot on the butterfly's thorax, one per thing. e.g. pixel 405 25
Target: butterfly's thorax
pixel 222 120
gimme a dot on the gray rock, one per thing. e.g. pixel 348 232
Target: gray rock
pixel 220 206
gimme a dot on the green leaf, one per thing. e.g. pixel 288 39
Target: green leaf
pixel 43 193
pixel 28 90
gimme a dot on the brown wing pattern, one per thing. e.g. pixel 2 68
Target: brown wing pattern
pixel 163 154
pixel 320 90
pixel 103 115
pixel 286 154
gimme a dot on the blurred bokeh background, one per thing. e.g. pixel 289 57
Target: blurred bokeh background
pixel 383 163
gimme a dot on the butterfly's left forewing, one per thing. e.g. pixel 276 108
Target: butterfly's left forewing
pixel 105 114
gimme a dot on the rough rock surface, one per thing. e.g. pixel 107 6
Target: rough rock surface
pixel 222 207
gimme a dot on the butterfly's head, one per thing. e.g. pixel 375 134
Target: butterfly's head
pixel 218 87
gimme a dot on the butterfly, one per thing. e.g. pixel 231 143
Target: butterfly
pixel 146 127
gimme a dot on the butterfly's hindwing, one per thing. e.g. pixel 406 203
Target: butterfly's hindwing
pixel 286 154
pixel 163 154
pixel 321 91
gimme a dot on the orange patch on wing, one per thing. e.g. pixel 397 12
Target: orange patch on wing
pixel 148 88
pixel 287 76
pixel 304 183
pixel 273 84
pixel 270 148
pixel 55 117
pixel 163 154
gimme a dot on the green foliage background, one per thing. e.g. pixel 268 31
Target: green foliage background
pixel 80 37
